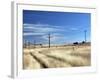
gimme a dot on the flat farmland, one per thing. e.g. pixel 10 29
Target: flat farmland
pixel 57 57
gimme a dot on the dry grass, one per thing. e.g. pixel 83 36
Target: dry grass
pixel 30 62
pixel 67 56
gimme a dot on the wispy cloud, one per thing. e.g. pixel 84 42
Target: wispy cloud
pixel 40 28
pixel 35 25
pixel 53 36
pixel 74 29
pixel 40 32
pixel 29 34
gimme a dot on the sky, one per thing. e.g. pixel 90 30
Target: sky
pixel 63 27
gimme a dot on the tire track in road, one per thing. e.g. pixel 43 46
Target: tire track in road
pixel 42 63
pixel 57 58
pixel 49 61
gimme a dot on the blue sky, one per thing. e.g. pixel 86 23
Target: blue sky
pixel 64 27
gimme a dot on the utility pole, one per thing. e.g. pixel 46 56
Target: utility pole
pixel 34 43
pixel 49 36
pixel 85 31
pixel 25 44
pixel 28 43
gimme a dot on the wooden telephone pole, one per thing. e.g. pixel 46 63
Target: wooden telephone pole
pixel 49 37
pixel 34 43
pixel 85 31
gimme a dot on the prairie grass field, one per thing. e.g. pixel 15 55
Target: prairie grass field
pixel 57 57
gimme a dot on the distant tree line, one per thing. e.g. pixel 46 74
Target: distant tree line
pixel 76 43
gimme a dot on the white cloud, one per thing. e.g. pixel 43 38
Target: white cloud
pixel 41 31
pixel 41 28
pixel 54 37
pixel 74 29
pixel 28 34
pixel 35 25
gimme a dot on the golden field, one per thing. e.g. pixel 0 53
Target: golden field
pixel 57 57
